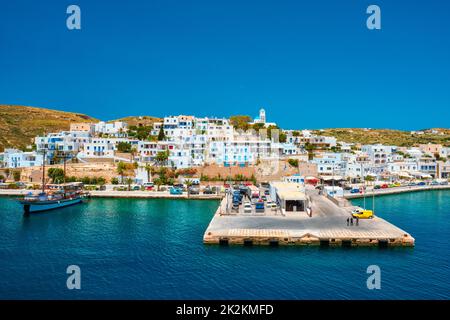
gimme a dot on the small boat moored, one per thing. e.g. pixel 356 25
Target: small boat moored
pixel 57 196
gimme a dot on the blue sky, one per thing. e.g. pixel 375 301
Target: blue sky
pixel 310 64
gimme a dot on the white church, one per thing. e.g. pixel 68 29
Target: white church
pixel 262 119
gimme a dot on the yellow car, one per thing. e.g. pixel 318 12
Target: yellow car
pixel 362 214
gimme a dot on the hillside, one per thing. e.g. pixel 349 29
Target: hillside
pixel 20 124
pixel 139 120
pixel 388 136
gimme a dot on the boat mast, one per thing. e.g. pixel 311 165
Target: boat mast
pixel 64 156
pixel 43 172
pixel 64 170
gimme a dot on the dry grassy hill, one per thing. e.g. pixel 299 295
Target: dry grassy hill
pixel 20 124
pixel 387 136
pixel 140 120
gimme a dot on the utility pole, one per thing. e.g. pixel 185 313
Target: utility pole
pixel 364 184
pixel 332 176
pixel 373 201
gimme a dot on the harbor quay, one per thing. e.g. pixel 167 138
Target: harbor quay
pixel 126 194
pixel 324 224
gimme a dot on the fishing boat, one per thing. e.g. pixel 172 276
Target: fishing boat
pixel 57 196
pixel 54 196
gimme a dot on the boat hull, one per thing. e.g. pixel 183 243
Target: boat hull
pixel 35 206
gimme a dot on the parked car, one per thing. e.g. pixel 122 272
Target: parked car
pixel 412 184
pixel 434 183
pixel 20 185
pixel 194 190
pixel 259 206
pixel 362 214
pixel 136 188
pixel 377 187
pixel 271 205
pixel 444 183
pixel 247 207
pixel 354 190
pixel 264 198
pixel 148 186
pixel 266 192
pixel 237 197
pixel 243 190
pixel 235 207
pixel 175 191
pixel 208 190
pixel 422 183
pixel 384 186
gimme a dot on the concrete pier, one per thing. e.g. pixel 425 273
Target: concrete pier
pixel 397 190
pixel 327 226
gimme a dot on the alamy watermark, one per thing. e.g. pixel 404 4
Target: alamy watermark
pixel 74 279
pixel 73 21
pixel 374 20
pixel 374 280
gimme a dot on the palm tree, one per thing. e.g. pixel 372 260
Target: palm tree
pixel 129 181
pixel 188 183
pixel 162 156
pixel 150 171
pixel 121 167
pixel 133 152
pixel 158 183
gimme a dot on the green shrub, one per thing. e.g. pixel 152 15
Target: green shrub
pixel 16 175
pixel 293 162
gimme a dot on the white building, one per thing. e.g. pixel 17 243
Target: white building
pixel 292 149
pixel 246 149
pixel 262 119
pixel 378 153
pixel 105 147
pixel 356 170
pixel 445 152
pixel 111 128
pixel 323 141
pixel 13 158
pixel 329 163
pixel 428 166
pixel 414 153
pixel 68 143
pixel 97 148
pixel 406 166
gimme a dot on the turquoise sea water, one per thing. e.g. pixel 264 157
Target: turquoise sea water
pixel 152 249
